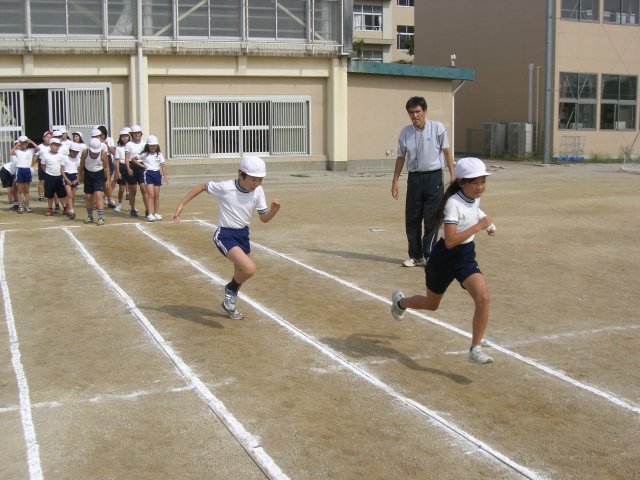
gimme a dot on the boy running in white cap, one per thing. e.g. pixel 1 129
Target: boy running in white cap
pixel 454 255
pixel 237 199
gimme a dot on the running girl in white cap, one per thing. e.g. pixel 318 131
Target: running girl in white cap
pixel 454 255
pixel 237 199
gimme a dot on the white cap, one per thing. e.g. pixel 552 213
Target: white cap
pixel 470 167
pixel 54 141
pixel 128 129
pixel 152 140
pixel 136 128
pixel 253 166
pixel 75 147
pixel 95 145
pixel 124 131
pixel 95 132
pixel 63 130
pixel 23 138
pixel 57 133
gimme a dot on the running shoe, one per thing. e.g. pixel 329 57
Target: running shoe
pixel 88 220
pixel 396 311
pixel 100 221
pixel 151 218
pixel 228 305
pixel 477 355
pixel 158 216
pixel 134 212
pixel 414 262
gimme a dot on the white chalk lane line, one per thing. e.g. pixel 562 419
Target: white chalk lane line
pixel 29 432
pixel 249 442
pixel 416 406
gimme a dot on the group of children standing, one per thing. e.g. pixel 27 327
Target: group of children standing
pixel 64 163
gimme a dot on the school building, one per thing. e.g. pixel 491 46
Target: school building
pixel 212 79
pixel 595 61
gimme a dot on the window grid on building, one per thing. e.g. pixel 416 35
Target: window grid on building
pixel 232 20
pixel 367 18
pixel 405 3
pixel 404 37
pixel 620 11
pixel 618 102
pixel 221 127
pixel 578 96
pixel 581 10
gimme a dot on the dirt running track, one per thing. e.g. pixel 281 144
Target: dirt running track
pixel 115 362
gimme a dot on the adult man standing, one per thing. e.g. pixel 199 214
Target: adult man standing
pixel 424 147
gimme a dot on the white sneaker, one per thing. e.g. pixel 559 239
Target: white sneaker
pixel 158 216
pixel 476 355
pixel 413 262
pixel 151 218
pixel 118 208
pixel 396 311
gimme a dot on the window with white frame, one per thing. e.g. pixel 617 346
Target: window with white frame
pixel 618 102
pixel 371 55
pixel 581 10
pixel 405 3
pixel 577 109
pixel 367 17
pixel 404 37
pixel 222 127
pixel 620 11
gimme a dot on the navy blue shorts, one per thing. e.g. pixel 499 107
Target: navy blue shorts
pixel 123 174
pixel 227 238
pixel 444 265
pixel 138 175
pixel 71 176
pixel 153 177
pixel 24 175
pixel 93 181
pixel 7 178
pixel 54 185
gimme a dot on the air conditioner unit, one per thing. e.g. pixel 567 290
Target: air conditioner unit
pixel 520 140
pixel 621 125
pixel 494 139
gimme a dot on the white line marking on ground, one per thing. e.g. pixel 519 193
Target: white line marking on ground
pixel 438 419
pixel 556 373
pixel 249 443
pixel 33 450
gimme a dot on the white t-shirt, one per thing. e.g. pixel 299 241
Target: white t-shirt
pixel 134 149
pixel 24 158
pixel 151 161
pixel 51 162
pixel 463 212
pixel 120 154
pixel 422 149
pixel 235 204
pixel 71 164
pixel 11 165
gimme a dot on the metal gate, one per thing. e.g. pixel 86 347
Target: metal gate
pixel 11 120
pixel 79 109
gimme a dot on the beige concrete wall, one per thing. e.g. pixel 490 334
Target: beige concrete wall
pixel 496 38
pixel 377 112
pixel 597 48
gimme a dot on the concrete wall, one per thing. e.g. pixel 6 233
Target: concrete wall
pixel 377 113
pixel 497 39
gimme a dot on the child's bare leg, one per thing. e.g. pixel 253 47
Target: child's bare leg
pixel 421 302
pixel 243 266
pixel 476 285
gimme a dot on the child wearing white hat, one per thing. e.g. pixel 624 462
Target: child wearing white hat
pixel 454 257
pixel 155 172
pixel 237 198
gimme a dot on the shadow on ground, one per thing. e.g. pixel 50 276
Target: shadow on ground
pixel 361 345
